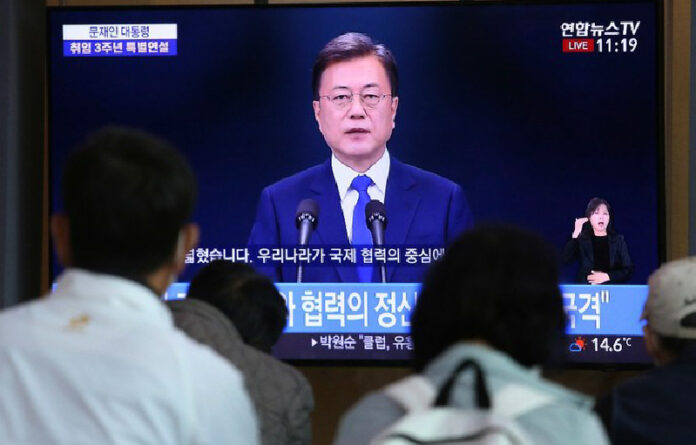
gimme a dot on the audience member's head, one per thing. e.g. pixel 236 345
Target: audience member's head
pixel 497 285
pixel 127 199
pixel 249 300
pixel 670 310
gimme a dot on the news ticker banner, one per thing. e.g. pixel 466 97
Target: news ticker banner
pixel 378 308
pixel 120 40
pixel 160 39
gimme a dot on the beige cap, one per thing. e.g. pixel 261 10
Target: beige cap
pixel 672 297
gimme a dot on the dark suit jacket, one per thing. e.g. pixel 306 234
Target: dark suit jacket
pixel 580 248
pixel 422 209
pixel 656 407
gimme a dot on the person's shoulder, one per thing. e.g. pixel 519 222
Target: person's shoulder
pixel 569 418
pixel 423 176
pixel 12 320
pixel 267 372
pixel 562 423
pixel 368 417
pixel 294 377
pixel 585 237
pixel 17 311
pixel 658 380
pixel 301 179
pixel 24 316
pixel 617 237
pixel 278 367
pixel 196 351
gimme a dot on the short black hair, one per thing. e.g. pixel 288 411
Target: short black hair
pixel 349 46
pixel 498 284
pixel 251 301
pixel 127 195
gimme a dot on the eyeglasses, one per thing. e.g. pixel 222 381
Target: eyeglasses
pixel 342 100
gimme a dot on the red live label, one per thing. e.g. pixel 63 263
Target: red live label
pixel 578 45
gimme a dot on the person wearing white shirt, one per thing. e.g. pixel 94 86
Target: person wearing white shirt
pixel 99 360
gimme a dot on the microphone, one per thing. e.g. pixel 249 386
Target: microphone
pixel 306 220
pixel 376 220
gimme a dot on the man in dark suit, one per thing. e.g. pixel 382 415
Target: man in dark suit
pixel 355 84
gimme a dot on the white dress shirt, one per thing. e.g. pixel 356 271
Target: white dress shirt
pixel 344 175
pixel 99 362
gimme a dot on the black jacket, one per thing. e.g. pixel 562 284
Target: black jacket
pixel 654 408
pixel 580 249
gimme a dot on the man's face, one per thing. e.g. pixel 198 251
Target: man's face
pixel 356 133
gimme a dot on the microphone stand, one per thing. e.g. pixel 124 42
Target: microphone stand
pixel 378 240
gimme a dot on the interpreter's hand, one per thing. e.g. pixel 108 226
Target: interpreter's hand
pixel 597 277
pixel 578 226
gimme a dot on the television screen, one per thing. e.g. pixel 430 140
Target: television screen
pixel 505 112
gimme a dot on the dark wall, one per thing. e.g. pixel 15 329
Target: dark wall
pixel 692 141
pixel 22 48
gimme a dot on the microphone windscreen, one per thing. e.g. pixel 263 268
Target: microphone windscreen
pixel 307 209
pixel 375 210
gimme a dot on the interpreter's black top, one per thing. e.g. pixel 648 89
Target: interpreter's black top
pixel 600 247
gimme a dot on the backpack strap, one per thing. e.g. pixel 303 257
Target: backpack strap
pixel 483 399
pixel 417 393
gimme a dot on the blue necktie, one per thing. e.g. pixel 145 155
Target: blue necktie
pixel 361 234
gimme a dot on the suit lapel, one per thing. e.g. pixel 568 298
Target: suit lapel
pixel 331 230
pixel 401 204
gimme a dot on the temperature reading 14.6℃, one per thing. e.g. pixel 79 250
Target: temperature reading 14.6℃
pixel 605 344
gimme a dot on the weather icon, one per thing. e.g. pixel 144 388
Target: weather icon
pixel 578 345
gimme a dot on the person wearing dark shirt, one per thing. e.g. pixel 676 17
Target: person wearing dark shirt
pixel 601 252
pixel 658 406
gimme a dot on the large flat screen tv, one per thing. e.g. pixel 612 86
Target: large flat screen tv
pixel 528 109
